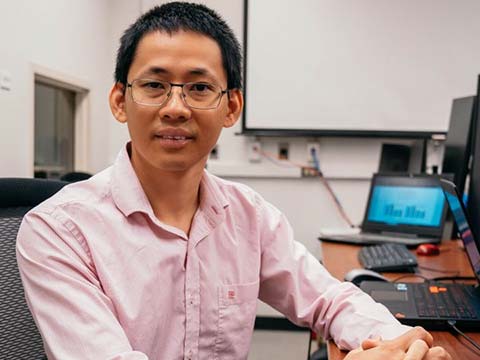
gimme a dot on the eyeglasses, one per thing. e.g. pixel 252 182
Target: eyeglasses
pixel 196 95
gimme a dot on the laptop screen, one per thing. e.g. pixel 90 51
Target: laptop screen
pixel 406 205
pixel 465 232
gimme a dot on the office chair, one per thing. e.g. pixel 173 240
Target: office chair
pixel 19 337
pixel 75 176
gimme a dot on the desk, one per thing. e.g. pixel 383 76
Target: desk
pixel 452 257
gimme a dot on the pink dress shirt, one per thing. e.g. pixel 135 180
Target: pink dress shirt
pixel 105 279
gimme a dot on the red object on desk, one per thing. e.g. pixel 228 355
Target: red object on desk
pixel 428 249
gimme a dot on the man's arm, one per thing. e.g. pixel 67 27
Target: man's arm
pixel 75 317
pixel 296 284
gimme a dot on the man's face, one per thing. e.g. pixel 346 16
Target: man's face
pixel 173 136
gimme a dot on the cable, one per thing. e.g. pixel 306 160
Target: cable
pixel 316 163
pixel 468 338
pixel 330 191
pixel 277 161
pixel 283 161
pixel 453 278
pixel 410 275
pixel 456 272
pixel 440 278
pixel 337 202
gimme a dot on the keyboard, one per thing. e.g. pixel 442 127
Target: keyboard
pixel 443 301
pixel 387 257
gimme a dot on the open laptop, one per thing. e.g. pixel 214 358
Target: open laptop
pixel 431 304
pixel 403 209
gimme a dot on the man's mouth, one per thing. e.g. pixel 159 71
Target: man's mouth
pixel 169 137
pixel 173 139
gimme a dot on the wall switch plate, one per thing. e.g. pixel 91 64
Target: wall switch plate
pixel 254 152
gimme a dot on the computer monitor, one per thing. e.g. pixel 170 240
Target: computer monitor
pixel 459 141
pixel 473 203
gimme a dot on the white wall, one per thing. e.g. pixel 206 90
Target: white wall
pixel 122 14
pixel 68 37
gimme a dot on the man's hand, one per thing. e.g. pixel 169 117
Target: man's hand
pixel 413 345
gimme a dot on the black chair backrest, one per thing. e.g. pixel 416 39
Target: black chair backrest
pixel 75 176
pixel 27 192
pixel 19 337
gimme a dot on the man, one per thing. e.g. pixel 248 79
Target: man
pixel 155 258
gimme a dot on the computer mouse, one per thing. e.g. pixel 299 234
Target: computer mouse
pixel 356 276
pixel 428 249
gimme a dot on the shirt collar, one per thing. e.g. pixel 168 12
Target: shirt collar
pixel 212 197
pixel 128 194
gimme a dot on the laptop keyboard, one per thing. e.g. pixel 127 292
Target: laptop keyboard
pixel 387 257
pixel 443 301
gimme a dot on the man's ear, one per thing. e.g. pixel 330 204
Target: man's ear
pixel 117 102
pixel 235 107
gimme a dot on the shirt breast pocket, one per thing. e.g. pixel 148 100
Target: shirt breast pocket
pixel 237 306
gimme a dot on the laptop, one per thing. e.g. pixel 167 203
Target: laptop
pixel 431 304
pixel 403 209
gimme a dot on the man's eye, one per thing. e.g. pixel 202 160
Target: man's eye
pixel 153 85
pixel 201 87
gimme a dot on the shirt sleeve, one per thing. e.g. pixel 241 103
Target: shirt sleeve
pixel 75 317
pixel 295 283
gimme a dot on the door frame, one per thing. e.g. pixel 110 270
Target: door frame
pixel 81 89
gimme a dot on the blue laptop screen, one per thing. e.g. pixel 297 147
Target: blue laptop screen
pixel 406 205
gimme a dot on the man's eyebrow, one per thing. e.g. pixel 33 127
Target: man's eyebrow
pixel 203 72
pixel 199 71
pixel 155 70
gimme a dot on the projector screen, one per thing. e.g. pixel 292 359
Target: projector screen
pixel 358 66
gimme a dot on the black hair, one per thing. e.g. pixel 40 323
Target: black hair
pixel 173 17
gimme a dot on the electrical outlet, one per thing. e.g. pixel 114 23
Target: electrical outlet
pixel 254 151
pixel 283 151
pixel 309 172
pixel 313 148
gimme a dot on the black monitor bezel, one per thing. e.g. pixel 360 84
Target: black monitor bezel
pixel 404 180
pixel 458 145
pixel 449 187
pixel 473 202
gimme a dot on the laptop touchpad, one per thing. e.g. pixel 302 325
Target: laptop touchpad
pixel 386 295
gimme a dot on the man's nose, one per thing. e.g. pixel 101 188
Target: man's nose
pixel 175 106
